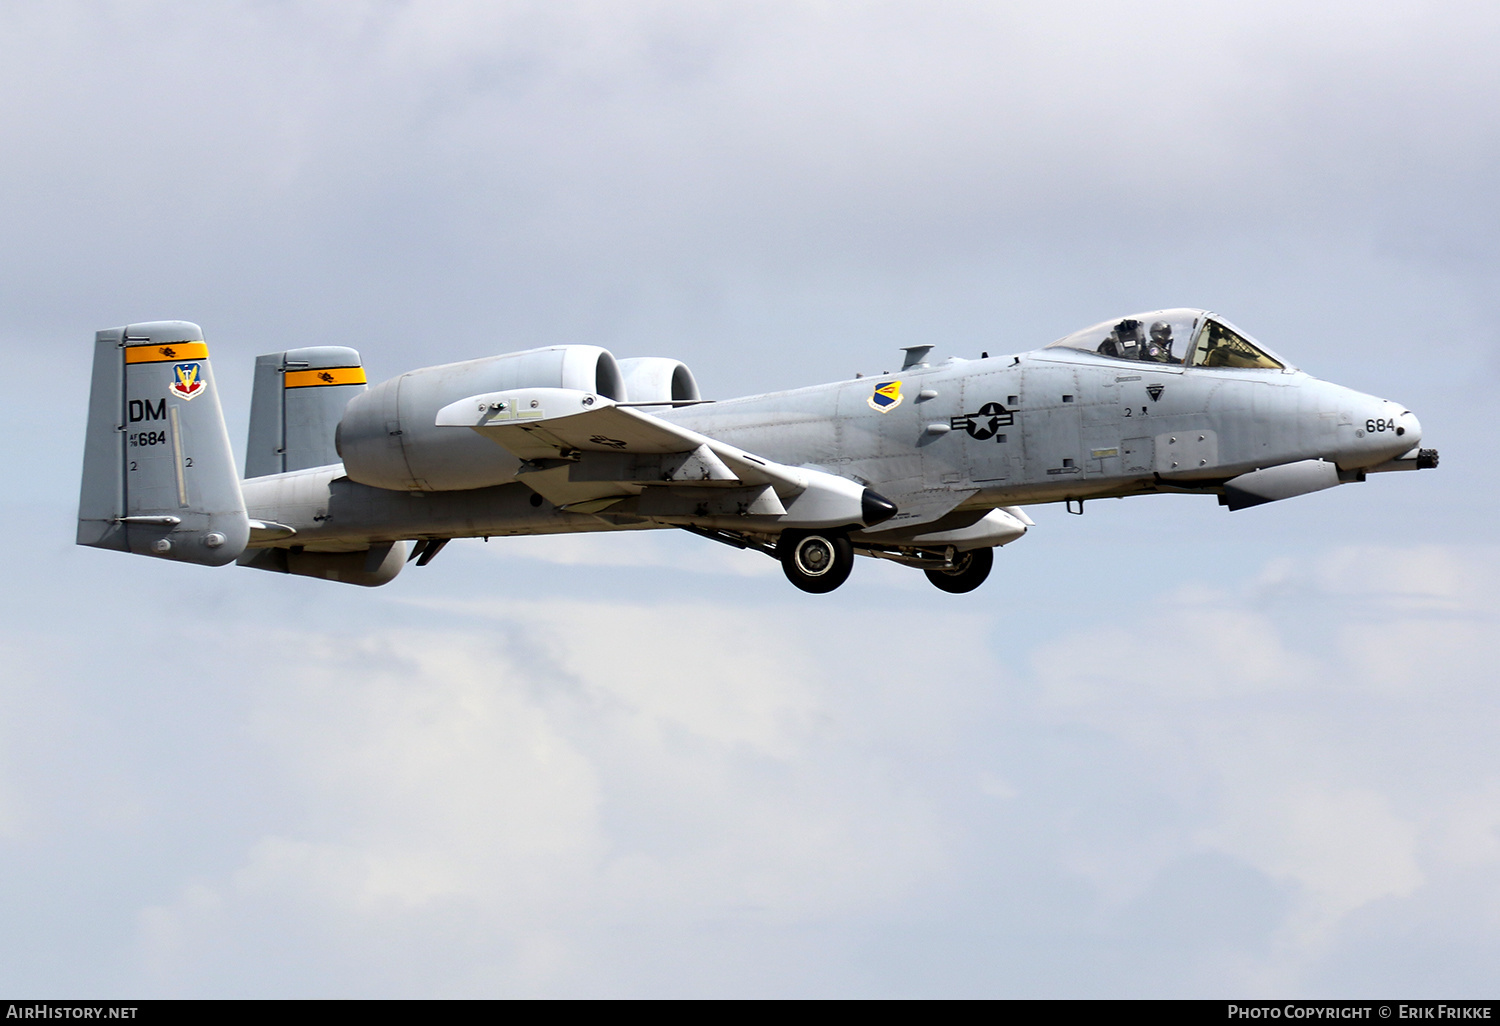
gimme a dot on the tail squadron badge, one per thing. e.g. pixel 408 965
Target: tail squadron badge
pixel 187 380
pixel 886 397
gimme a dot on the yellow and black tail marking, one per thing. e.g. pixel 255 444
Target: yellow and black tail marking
pixel 325 376
pixel 164 354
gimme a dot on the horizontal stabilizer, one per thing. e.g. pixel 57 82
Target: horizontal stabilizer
pixel 368 568
pixel 263 532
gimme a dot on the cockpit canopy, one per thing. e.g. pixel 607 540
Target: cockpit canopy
pixel 1194 338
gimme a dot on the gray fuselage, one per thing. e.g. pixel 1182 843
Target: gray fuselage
pixel 1045 426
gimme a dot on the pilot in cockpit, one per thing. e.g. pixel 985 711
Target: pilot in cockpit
pixel 1159 349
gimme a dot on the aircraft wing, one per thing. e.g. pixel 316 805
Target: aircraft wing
pixel 547 423
pixel 583 452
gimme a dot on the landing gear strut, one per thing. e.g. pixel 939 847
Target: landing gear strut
pixel 815 561
pixel 968 572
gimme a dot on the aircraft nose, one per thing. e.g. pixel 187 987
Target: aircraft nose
pixel 1409 428
pixel 1382 431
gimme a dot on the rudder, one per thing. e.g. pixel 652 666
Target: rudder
pixel 158 473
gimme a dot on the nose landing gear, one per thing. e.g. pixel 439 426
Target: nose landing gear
pixel 815 561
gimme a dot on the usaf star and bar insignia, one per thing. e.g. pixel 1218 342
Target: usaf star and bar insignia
pixel 984 424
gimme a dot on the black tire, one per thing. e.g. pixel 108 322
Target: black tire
pixel 816 561
pixel 969 571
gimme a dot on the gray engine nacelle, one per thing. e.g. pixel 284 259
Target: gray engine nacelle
pixel 388 439
pixel 656 379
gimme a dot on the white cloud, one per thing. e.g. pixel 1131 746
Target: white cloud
pixel 519 794
pixel 634 548
pixel 1343 848
pixel 1234 717
pixel 589 768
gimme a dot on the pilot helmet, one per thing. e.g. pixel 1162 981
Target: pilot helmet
pixel 1161 331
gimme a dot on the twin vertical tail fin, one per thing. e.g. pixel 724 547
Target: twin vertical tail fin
pixel 158 473
pixel 298 402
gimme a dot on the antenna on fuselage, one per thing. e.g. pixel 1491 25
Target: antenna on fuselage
pixel 916 356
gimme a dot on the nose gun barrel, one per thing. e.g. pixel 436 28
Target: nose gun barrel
pixel 1414 459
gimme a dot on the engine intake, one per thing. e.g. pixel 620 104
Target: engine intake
pixel 656 379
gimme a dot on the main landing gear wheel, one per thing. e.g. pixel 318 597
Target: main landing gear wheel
pixel 816 561
pixel 968 572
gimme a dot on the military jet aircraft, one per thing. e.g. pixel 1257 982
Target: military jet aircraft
pixel 929 466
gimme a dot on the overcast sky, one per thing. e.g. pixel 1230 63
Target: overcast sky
pixel 1165 751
